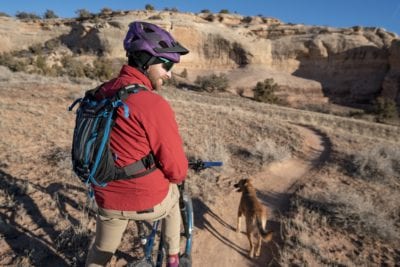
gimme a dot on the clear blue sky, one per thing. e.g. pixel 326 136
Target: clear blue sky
pixel 336 13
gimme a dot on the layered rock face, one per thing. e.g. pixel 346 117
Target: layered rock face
pixel 352 65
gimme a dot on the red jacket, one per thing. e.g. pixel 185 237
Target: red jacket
pixel 151 126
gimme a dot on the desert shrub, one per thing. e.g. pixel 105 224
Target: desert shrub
pixel 341 210
pixel 106 11
pixel 385 109
pixel 40 62
pixel 357 28
pixel 52 44
pixel 172 9
pixel 50 14
pixel 72 67
pixel 155 17
pixel 149 7
pixel 101 69
pixel 74 241
pixel 3 14
pixel 265 91
pixel 184 73
pixel 205 11
pixel 268 151
pixel 210 17
pixel 6 59
pixel 212 82
pixel 36 49
pixel 247 19
pixel 26 15
pixel 83 13
pixel 381 163
pixel 224 11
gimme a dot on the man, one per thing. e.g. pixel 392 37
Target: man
pixel 150 129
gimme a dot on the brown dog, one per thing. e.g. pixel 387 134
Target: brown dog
pixel 255 214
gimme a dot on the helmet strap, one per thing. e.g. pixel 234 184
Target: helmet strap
pixel 140 60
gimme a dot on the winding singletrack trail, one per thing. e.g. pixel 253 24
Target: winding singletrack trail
pixel 216 243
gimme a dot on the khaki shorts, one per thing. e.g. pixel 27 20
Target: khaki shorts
pixel 111 224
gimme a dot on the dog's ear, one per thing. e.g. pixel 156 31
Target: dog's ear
pixel 249 181
pixel 238 186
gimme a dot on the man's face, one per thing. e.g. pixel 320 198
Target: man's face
pixel 157 75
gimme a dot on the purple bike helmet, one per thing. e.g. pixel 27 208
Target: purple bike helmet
pixel 147 37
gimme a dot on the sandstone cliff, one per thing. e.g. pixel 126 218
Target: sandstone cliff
pixel 346 65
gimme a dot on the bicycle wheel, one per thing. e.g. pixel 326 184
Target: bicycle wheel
pixel 140 263
pixel 185 261
pixel 188 221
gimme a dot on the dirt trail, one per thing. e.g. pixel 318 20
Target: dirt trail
pixel 216 243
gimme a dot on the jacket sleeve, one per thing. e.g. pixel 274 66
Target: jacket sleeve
pixel 164 139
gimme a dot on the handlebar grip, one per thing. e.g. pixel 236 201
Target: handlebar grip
pixel 208 164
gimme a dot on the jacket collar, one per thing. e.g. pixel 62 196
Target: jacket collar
pixel 128 72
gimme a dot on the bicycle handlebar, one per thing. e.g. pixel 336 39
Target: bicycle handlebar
pixel 199 165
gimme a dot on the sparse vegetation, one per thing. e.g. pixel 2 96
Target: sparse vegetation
pixel 385 109
pixel 3 14
pixel 52 44
pixel 102 69
pixel 184 73
pixel 149 7
pixel 224 11
pixel 205 11
pixel 377 164
pixel 352 199
pixel 247 19
pixel 171 9
pixel 106 11
pixel 212 82
pixel 155 17
pixel 72 67
pixel 265 91
pixel 36 49
pixel 50 14
pixel 8 60
pixel 210 17
pixel 83 14
pixel 27 15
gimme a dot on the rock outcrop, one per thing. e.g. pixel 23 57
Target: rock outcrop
pixel 346 65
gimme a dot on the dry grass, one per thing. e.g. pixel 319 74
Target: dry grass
pixel 43 220
pixel 347 214
pixel 45 203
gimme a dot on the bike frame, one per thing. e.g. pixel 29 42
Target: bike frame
pixel 186 208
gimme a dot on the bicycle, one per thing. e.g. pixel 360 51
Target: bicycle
pixel 186 208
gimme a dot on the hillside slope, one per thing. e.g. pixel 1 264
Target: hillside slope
pixel 346 65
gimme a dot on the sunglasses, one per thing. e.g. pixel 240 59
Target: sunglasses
pixel 166 64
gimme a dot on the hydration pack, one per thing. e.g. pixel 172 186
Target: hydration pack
pixel 92 159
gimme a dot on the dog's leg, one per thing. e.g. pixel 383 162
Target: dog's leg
pixel 258 249
pixel 249 232
pixel 240 214
pixel 251 252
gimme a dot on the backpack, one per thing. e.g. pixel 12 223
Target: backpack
pixel 92 159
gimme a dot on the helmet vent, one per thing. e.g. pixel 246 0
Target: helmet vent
pixel 163 44
pixel 148 29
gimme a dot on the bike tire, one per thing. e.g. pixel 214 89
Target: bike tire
pixel 189 222
pixel 141 263
pixel 185 261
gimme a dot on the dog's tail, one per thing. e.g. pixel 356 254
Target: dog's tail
pixel 266 235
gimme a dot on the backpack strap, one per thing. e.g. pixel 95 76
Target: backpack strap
pixel 148 163
pixel 124 92
pixel 140 168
